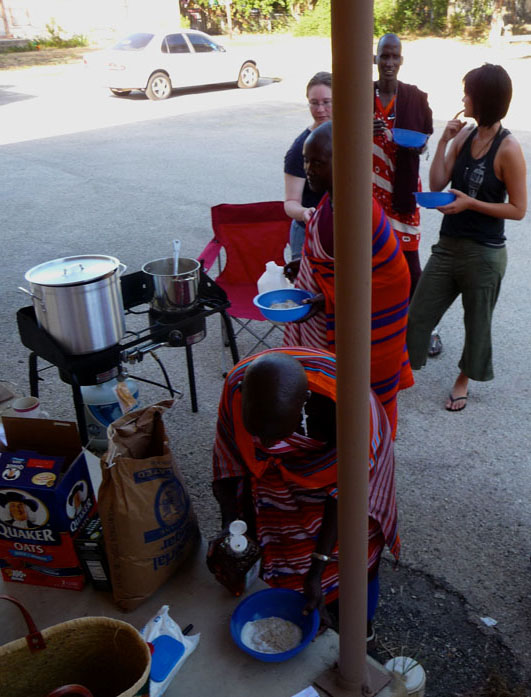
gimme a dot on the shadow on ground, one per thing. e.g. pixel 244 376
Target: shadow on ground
pixel 8 97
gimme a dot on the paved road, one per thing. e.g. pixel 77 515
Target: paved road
pixel 83 171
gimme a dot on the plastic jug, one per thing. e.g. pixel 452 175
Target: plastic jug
pixel 273 278
pixel 235 559
pixel 103 406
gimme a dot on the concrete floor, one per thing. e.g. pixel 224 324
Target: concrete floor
pixel 463 482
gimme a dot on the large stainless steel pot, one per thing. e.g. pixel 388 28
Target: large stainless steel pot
pixel 78 300
pixel 173 292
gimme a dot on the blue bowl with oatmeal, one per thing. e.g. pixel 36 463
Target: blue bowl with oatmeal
pixel 283 305
pixel 269 625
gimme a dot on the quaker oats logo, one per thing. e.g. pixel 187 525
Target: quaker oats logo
pixel 76 498
pixel 22 510
pixel 10 474
pixel 171 505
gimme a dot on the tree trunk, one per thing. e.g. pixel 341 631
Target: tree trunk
pixel 4 19
pixel 450 11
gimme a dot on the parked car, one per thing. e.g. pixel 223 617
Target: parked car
pixel 157 62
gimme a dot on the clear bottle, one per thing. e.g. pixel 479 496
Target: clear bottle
pixel 235 559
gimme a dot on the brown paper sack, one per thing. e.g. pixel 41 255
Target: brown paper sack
pixel 148 521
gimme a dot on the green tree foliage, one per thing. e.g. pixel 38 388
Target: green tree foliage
pixel 251 15
pixel 407 17
pixel 312 17
pixel 384 17
pixel 315 22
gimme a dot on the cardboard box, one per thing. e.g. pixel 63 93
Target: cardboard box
pixel 90 549
pixel 46 499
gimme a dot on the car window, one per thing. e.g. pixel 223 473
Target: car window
pixel 202 44
pixel 175 43
pixel 134 42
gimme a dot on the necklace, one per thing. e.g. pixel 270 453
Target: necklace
pixel 304 420
pixel 484 148
pixel 392 96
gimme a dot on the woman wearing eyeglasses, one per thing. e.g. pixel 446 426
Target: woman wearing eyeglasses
pixel 300 201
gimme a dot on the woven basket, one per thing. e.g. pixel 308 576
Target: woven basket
pixel 104 655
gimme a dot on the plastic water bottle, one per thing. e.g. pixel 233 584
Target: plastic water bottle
pixel 273 278
pixel 235 559
pixel 102 407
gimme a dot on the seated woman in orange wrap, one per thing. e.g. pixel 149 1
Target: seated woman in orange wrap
pixel 390 369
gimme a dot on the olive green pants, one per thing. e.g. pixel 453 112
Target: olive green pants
pixel 458 267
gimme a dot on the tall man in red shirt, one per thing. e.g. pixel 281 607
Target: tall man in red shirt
pixel 395 168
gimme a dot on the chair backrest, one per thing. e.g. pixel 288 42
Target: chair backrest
pixel 252 234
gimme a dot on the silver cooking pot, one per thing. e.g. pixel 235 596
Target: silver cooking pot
pixel 173 292
pixel 78 301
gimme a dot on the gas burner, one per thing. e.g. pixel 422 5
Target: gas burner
pixel 184 328
pixel 164 329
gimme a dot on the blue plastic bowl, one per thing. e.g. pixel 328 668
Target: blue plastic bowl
pixel 434 199
pixel 409 139
pixel 263 302
pixel 274 602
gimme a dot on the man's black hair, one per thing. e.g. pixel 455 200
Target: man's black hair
pixel 490 89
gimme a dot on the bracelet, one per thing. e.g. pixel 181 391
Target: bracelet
pixel 321 557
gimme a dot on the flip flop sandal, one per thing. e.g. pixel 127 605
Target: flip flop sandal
pixel 457 399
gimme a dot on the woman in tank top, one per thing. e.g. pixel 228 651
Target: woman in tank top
pixel 486 168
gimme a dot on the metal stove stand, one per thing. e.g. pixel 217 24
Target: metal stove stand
pixel 181 329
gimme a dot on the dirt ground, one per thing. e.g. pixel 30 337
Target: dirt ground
pixel 53 56
pixel 421 617
pixel 417 614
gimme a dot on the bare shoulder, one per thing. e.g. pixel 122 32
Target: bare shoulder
pixel 510 154
pixel 510 145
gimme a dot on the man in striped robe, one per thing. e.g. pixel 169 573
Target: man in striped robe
pixel 390 369
pixel 275 466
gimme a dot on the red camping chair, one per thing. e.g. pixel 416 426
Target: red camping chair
pixel 250 234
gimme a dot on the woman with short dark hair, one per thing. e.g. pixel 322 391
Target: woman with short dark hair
pixel 490 89
pixel 487 170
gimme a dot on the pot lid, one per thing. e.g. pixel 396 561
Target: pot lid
pixel 70 271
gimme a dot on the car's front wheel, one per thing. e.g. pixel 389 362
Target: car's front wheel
pixel 248 76
pixel 158 86
pixel 120 93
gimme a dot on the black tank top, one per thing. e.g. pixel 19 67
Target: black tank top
pixel 476 178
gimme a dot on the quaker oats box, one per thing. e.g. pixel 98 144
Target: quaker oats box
pixel 46 500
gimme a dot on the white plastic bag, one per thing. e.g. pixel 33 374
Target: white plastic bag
pixel 172 648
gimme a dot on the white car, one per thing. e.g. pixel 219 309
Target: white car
pixel 160 61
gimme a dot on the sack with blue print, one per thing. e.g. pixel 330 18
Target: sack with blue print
pixel 149 525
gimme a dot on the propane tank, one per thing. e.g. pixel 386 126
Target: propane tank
pixel 104 404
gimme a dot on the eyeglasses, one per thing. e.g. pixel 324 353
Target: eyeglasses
pixel 324 102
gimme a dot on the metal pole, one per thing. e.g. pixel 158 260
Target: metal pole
pixel 352 56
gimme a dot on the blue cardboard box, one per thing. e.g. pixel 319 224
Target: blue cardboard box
pixel 46 499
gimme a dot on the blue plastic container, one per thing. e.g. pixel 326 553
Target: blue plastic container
pixel 263 301
pixel 166 652
pixel 274 602
pixel 434 199
pixel 409 139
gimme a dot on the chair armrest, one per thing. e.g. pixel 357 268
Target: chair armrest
pixel 210 253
